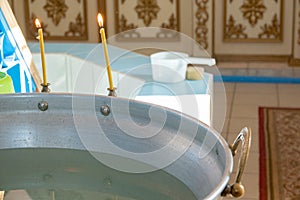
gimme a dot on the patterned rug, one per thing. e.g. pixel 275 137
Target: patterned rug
pixel 279 162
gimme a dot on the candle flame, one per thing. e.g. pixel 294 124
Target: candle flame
pixel 37 23
pixel 100 20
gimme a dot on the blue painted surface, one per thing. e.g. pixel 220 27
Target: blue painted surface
pixel 12 61
pixel 121 60
pixel 14 72
pixel 257 79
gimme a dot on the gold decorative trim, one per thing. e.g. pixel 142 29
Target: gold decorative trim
pixel 76 28
pixel 271 31
pixel 147 10
pixel 165 31
pixel 253 10
pixel 251 58
pixel 124 26
pixel 235 30
pixel 172 23
pixel 298 22
pixel 295 62
pixel 147 14
pixel 266 33
pixel 56 11
pixel 202 18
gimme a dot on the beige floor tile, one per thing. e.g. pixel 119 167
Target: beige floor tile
pixel 229 97
pixel 224 135
pixel 224 87
pixel 220 125
pixel 289 88
pixel 229 87
pixel 244 111
pixel 252 165
pixel 255 99
pixel 289 100
pixel 221 111
pixel 223 99
pixel 251 183
pixel 236 124
pixel 255 144
pixel 256 88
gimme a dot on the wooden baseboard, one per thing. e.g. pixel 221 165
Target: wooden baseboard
pixel 252 58
pixel 295 62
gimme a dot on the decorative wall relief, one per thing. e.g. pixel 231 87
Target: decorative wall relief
pixel 147 10
pixel 201 17
pixel 61 19
pixel 294 59
pixel 131 15
pixel 298 22
pixel 253 21
pixel 253 11
pixel 56 10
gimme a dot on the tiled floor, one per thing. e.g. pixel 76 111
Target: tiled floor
pixel 242 106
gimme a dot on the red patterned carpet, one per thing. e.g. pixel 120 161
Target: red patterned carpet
pixel 279 142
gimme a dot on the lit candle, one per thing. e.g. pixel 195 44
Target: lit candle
pixel 41 39
pixel 103 37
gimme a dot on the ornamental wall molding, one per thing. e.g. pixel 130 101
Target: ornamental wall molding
pixel 61 20
pixel 253 21
pixel 202 18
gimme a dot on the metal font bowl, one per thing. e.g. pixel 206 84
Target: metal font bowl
pixel 41 149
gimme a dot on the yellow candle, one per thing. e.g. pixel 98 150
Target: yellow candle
pixel 42 48
pixel 104 44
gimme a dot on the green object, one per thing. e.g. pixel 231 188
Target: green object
pixel 6 84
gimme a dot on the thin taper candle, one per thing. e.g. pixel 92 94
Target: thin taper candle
pixel 104 44
pixel 42 48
